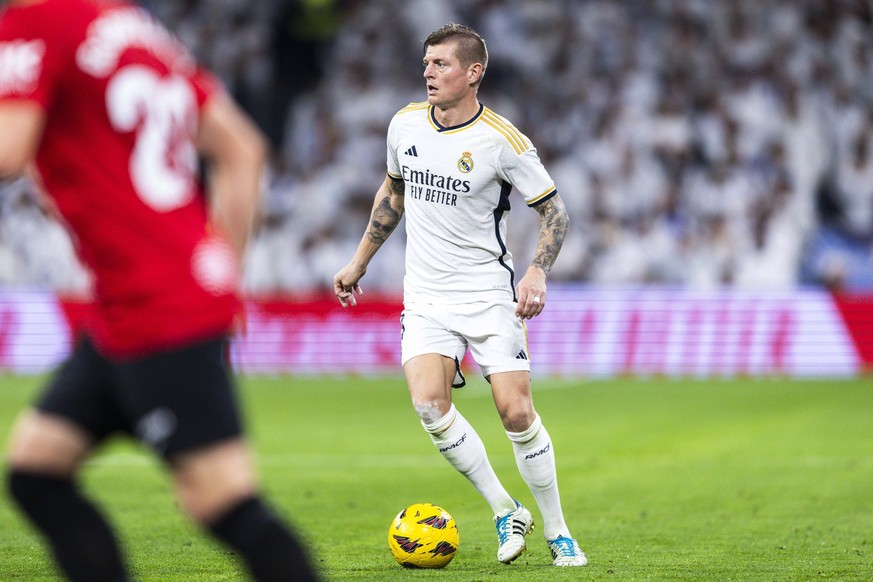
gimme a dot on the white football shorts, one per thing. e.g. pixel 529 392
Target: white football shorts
pixel 496 337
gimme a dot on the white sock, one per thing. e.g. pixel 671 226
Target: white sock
pixel 456 440
pixel 535 458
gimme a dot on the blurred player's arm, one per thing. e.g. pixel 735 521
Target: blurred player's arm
pixel 387 210
pixel 554 224
pixel 236 153
pixel 21 125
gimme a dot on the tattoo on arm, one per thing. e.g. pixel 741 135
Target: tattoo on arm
pixel 554 223
pixel 398 187
pixel 386 216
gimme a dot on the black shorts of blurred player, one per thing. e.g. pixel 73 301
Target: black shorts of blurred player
pixel 173 401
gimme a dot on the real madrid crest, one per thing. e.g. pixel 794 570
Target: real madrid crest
pixel 465 164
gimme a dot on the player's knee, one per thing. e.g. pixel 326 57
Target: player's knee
pixel 204 505
pixel 204 498
pixel 430 411
pixel 517 419
pixel 47 444
pixel 209 481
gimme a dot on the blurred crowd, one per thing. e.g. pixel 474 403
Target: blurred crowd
pixel 697 143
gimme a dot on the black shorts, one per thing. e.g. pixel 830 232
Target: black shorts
pixel 172 401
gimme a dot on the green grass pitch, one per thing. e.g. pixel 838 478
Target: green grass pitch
pixel 661 479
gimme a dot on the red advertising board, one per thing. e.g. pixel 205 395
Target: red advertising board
pixel 593 332
pixel 583 331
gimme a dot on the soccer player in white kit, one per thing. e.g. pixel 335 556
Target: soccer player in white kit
pixel 452 164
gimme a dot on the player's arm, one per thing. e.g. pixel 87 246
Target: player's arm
pixel 387 211
pixel 554 224
pixel 235 152
pixel 21 126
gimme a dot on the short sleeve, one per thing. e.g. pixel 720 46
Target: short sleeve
pixel 527 174
pixel 391 155
pixel 205 86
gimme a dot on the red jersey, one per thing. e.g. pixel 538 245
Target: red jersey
pixel 122 99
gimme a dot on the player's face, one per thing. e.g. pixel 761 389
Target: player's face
pixel 447 81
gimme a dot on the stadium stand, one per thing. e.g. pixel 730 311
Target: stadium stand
pixel 696 143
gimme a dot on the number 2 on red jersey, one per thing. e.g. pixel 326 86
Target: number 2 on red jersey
pixel 162 111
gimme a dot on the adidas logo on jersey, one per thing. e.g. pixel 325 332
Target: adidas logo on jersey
pixel 521 355
pixel 412 152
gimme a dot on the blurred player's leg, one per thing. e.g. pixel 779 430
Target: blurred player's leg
pixel 80 539
pixel 217 487
pixel 44 454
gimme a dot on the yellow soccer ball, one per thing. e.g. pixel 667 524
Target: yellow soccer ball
pixel 423 536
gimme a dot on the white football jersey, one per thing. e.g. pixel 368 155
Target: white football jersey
pixel 457 183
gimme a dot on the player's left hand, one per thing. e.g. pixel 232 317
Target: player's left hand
pixel 531 293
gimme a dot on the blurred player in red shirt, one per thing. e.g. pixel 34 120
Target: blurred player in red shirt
pixel 111 114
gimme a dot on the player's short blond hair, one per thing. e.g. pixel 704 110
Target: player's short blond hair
pixel 471 47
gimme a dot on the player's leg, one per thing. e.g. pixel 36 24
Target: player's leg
pixel 217 487
pixel 429 377
pixel 182 404
pixel 46 449
pixel 535 458
pixel 431 356
pixel 534 454
pixel 498 341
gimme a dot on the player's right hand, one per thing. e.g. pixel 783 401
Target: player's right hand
pixel 346 286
